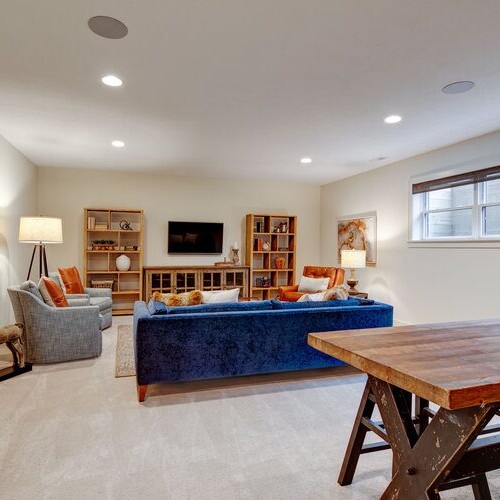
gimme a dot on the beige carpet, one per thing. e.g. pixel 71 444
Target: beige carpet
pixel 73 430
pixel 125 363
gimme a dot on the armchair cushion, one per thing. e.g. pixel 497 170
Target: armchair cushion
pixel 70 278
pixel 98 292
pixel 51 293
pixel 78 302
pixel 313 285
pixel 336 275
pixel 31 286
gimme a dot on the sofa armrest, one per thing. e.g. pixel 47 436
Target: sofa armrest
pixel 76 295
pixel 285 289
pixel 98 292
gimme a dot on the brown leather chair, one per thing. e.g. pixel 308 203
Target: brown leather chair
pixel 336 275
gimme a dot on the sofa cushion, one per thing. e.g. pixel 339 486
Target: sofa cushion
pixel 179 299
pixel 70 277
pixel 31 286
pixel 220 296
pixel 158 308
pixel 52 293
pixel 314 305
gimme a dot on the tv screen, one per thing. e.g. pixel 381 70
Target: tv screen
pixel 195 237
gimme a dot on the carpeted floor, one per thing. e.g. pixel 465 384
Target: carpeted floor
pixel 73 430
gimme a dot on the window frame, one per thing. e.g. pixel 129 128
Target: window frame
pixel 419 213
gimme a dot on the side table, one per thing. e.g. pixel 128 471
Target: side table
pixel 359 295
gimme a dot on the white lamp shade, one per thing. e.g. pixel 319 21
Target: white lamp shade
pixel 353 259
pixel 40 230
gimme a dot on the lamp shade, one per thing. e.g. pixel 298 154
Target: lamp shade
pixel 353 259
pixel 36 230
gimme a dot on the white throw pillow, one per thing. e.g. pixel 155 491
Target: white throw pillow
pixel 220 296
pixel 313 285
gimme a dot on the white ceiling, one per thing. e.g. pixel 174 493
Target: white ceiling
pixel 244 89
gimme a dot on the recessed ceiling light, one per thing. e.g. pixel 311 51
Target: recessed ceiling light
pixel 108 27
pixel 458 87
pixel 118 144
pixel 391 119
pixel 306 160
pixel 111 81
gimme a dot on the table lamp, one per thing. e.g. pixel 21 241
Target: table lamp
pixel 353 259
pixel 40 231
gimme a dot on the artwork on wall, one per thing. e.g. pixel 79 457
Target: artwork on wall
pixel 358 232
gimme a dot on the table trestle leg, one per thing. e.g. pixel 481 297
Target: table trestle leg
pixel 422 466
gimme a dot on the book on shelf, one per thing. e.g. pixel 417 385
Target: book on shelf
pixel 99 226
pixel 91 223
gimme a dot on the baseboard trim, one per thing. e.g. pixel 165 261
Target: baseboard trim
pixel 398 322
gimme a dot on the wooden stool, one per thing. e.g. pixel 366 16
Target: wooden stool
pixel 13 337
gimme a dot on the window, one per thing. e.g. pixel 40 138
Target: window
pixel 464 206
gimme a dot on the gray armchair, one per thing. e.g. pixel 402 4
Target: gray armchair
pixel 100 297
pixel 56 334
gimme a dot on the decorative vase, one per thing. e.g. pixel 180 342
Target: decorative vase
pixel 280 262
pixel 122 263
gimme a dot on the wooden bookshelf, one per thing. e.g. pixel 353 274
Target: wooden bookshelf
pixel 268 238
pixel 103 224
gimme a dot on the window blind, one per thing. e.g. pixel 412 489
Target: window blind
pixel 486 174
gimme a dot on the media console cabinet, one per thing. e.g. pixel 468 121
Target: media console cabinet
pixel 179 279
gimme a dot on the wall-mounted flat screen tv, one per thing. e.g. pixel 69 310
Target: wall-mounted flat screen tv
pixel 195 237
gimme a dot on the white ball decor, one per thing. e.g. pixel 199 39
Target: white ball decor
pixel 122 263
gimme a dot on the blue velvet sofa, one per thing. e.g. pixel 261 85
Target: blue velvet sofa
pixel 226 340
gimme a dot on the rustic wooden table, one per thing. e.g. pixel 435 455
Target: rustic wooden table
pixel 456 366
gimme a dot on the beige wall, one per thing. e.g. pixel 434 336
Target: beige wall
pixel 18 196
pixel 423 283
pixel 65 193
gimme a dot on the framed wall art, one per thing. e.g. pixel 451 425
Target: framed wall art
pixel 358 232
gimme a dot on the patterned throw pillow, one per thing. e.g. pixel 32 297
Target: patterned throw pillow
pixel 179 299
pixel 51 293
pixel 336 293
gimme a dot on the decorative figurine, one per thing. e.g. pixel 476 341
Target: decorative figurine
pixel 125 225
pixel 236 254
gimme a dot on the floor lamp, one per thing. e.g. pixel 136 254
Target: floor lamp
pixel 40 231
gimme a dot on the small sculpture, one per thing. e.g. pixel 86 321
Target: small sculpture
pixel 125 225
pixel 236 256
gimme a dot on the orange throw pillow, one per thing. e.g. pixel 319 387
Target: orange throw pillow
pixel 71 279
pixel 52 293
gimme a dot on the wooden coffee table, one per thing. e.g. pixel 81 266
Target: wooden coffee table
pixel 456 366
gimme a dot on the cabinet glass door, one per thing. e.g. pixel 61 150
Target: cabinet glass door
pixel 185 281
pixel 211 280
